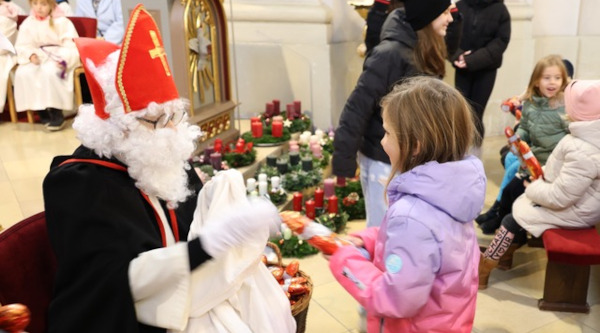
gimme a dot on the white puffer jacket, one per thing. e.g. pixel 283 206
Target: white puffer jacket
pixel 570 195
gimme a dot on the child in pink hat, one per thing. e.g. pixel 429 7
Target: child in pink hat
pixel 567 195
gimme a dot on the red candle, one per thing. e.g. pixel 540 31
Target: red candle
pixel 218 145
pixel 297 108
pixel 310 209
pixel 319 198
pixel 254 119
pixel 239 146
pixel 341 181
pixel 289 110
pixel 333 205
pixel 297 201
pixel 257 129
pixel 277 129
pixel 276 107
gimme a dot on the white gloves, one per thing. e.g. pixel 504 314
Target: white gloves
pixel 240 224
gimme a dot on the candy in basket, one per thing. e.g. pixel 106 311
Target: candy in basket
pixel 521 149
pixel 314 233
pixel 14 318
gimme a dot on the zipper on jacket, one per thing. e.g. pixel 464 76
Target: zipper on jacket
pixel 346 272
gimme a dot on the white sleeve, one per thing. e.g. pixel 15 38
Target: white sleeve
pixel 160 286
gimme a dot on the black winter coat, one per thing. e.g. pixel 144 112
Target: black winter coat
pixel 361 127
pixel 486 33
pixel 98 222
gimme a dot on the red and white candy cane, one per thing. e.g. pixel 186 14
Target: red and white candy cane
pixel 523 152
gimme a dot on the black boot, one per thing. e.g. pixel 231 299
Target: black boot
pixel 57 120
pixel 489 227
pixel 44 116
pixel 490 214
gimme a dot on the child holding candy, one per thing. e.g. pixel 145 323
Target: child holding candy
pixel 542 125
pixel 417 272
pixel 567 196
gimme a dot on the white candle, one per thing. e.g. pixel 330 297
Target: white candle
pixel 262 177
pixel 250 184
pixel 319 134
pixel 274 183
pixel 262 188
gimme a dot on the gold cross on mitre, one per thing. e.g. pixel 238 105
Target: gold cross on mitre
pixel 159 52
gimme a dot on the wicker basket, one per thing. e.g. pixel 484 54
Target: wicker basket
pixel 300 308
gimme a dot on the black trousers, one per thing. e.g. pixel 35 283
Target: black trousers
pixel 476 87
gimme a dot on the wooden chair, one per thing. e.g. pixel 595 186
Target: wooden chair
pixel 28 267
pixel 86 27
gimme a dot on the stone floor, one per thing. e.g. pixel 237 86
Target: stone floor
pixel 508 305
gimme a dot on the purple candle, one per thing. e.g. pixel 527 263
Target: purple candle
pixel 269 110
pixel 329 187
pixel 207 151
pixel 289 110
pixel 297 108
pixel 215 161
pixel 276 107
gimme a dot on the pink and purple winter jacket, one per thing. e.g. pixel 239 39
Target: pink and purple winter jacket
pixel 424 272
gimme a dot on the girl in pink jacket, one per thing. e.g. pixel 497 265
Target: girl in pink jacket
pixel 417 272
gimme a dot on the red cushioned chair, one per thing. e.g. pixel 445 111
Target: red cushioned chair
pixel 86 27
pixel 570 254
pixel 28 266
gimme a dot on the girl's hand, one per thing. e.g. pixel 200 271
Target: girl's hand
pixel 34 59
pixel 358 242
pixel 526 182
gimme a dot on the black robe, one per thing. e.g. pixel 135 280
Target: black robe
pixel 98 221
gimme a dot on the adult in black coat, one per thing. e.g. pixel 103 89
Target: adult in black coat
pixel 412 43
pixel 485 37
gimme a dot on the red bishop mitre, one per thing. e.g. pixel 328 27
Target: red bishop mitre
pixel 143 74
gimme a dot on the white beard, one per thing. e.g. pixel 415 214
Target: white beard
pixel 157 160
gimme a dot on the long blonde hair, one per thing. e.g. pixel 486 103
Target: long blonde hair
pixel 431 121
pixel 536 76
pixel 53 6
pixel 430 52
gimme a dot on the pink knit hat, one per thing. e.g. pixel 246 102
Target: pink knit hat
pixel 582 100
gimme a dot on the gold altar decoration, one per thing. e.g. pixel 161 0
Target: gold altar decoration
pixel 201 71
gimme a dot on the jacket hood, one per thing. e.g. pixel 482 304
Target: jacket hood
pixel 397 29
pixel 456 188
pixel 586 131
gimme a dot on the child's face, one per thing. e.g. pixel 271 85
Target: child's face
pixel 550 82
pixel 41 7
pixel 389 141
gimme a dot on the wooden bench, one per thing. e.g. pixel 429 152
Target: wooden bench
pixel 570 254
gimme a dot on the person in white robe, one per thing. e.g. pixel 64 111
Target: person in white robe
pixel 8 27
pixel 47 58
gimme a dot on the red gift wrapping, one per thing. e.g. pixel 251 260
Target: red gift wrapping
pixel 310 209
pixel 319 195
pixel 333 205
pixel 297 201
pixel 277 129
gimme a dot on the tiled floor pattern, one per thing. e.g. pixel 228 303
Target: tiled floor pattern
pixel 508 305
